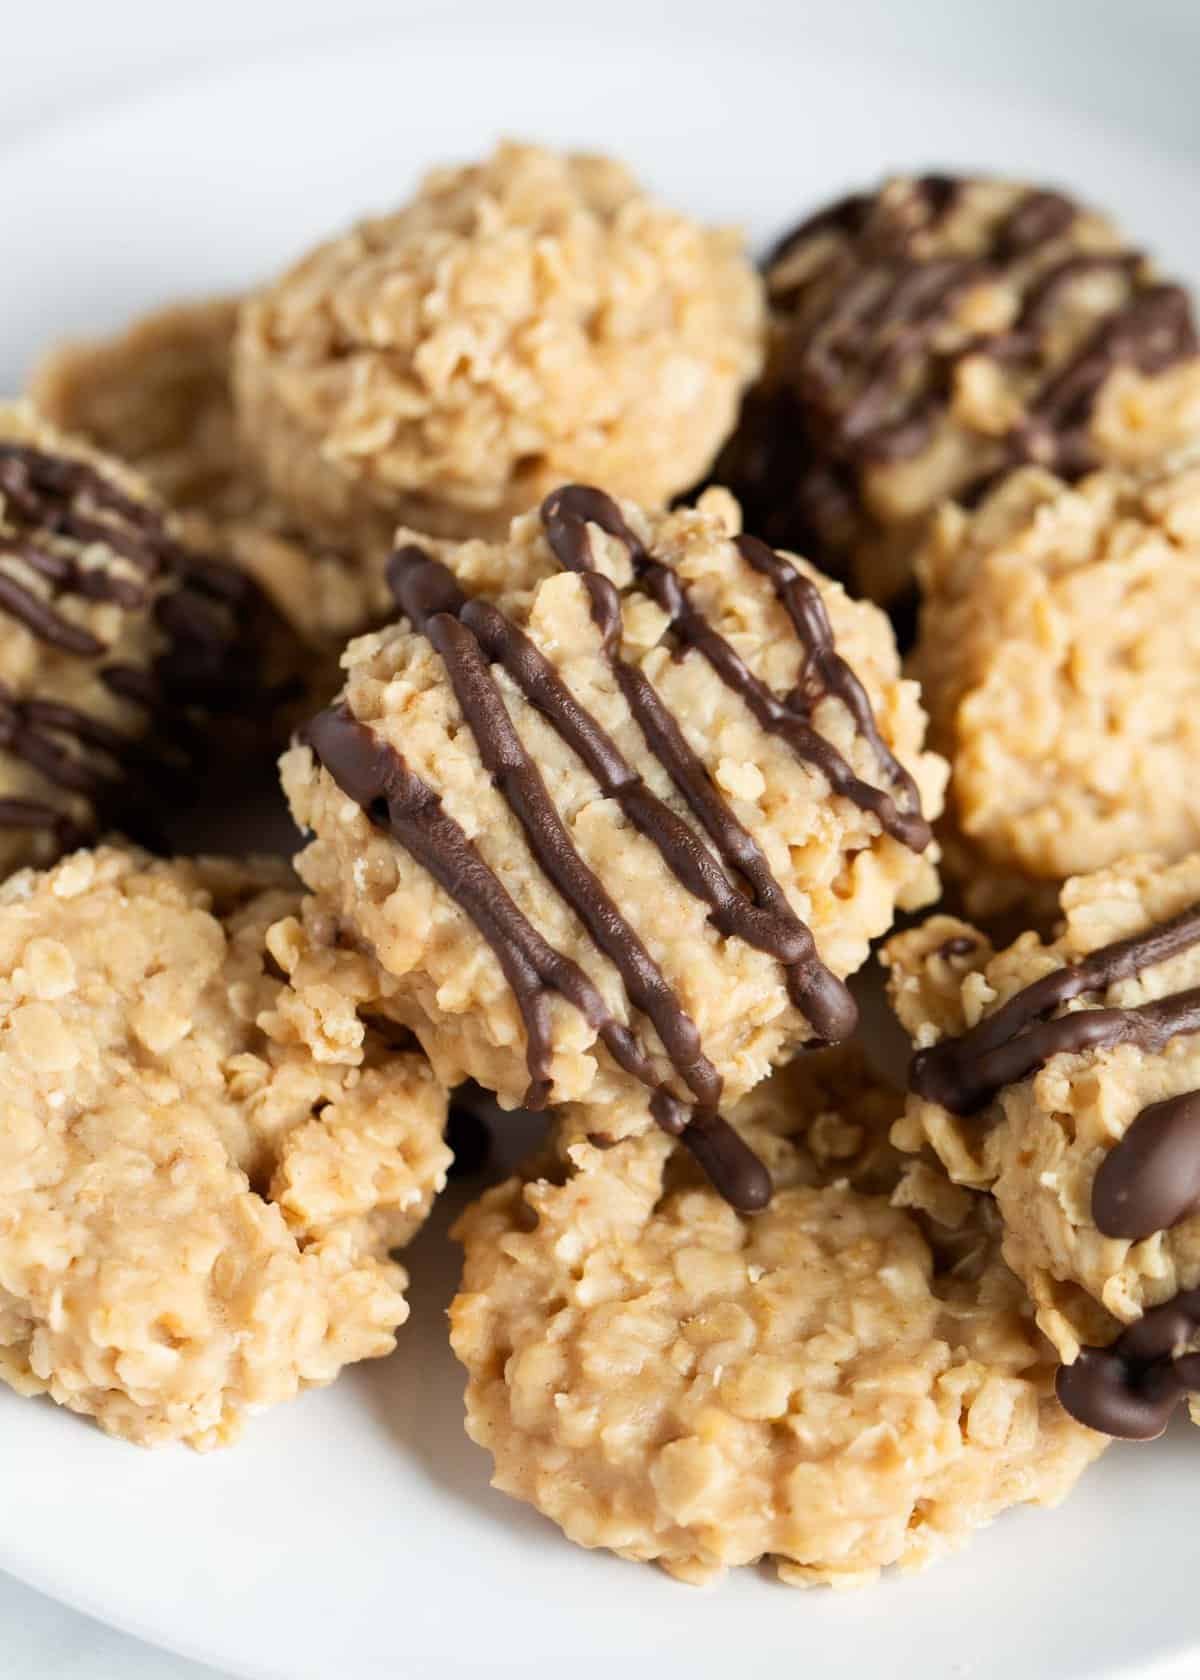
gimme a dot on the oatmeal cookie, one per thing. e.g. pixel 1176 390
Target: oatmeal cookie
pixel 628 829
pixel 159 396
pixel 524 320
pixel 122 649
pixel 206 1153
pixel 839 1384
pixel 1057 659
pixel 928 337
pixel 1065 1078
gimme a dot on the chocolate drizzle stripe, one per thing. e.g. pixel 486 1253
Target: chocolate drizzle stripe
pixel 765 920
pixel 1151 1179
pixel 44 622
pixel 1148 1182
pixel 519 781
pixel 395 798
pixel 963 1074
pixel 862 378
pixel 213 618
pixel 824 671
pixel 567 513
pixel 1130 1388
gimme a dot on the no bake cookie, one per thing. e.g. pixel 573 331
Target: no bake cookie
pixel 525 320
pixel 1058 661
pixel 159 395
pixel 839 1383
pixel 122 649
pixel 1064 1078
pixel 206 1153
pixel 626 827
pixel 928 337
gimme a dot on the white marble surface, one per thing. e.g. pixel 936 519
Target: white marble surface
pixel 58 59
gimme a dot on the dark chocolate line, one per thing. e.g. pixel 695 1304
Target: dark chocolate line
pixel 963 1074
pixel 567 514
pixel 1151 1179
pixel 825 672
pixel 396 799
pixel 520 783
pixel 92 583
pixel 765 919
pixel 44 622
pixel 884 318
pixel 1130 1388
pixel 35 813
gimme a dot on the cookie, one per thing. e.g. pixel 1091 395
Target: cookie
pixel 838 1384
pixel 1063 1076
pixel 628 829
pixel 159 396
pixel 522 321
pixel 206 1153
pixel 930 336
pixel 122 649
pixel 1057 658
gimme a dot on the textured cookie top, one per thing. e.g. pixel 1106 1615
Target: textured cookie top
pixel 114 639
pixel 630 827
pixel 159 395
pixel 677 1382
pixel 522 321
pixel 1057 657
pixel 1065 1077
pixel 205 1154
pixel 937 332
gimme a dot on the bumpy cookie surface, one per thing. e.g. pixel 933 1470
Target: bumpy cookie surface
pixel 523 321
pixel 817 1384
pixel 932 335
pixel 119 645
pixel 1064 1077
pixel 205 1155
pixel 629 829
pixel 159 396
pixel 1057 657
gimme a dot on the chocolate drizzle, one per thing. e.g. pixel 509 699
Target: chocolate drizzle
pixel 395 798
pixel 1147 1183
pixel 67 531
pixel 963 1074
pixel 865 371
pixel 742 895
pixel 1130 1388
pixel 1151 1179
pixel 568 513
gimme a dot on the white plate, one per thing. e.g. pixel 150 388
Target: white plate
pixel 354 1533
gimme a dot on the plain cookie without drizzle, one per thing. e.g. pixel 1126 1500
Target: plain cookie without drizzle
pixel 1057 656
pixel 522 321
pixel 838 1383
pixel 205 1154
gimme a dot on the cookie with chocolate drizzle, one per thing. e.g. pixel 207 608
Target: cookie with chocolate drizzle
pixel 117 643
pixel 1066 1078
pixel 617 806
pixel 928 337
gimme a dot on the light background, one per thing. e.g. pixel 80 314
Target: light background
pixel 57 60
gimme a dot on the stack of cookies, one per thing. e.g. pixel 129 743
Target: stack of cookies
pixel 569 560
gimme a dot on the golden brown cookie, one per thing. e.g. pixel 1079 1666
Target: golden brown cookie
pixel 624 833
pixel 928 337
pixel 1064 1077
pixel 839 1383
pixel 206 1154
